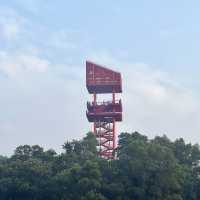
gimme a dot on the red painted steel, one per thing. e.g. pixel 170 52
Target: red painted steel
pixel 100 79
pixel 105 114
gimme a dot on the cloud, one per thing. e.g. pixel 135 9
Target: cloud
pixel 9 30
pixel 17 64
pixel 10 24
pixel 47 111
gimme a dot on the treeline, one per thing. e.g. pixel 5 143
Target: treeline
pixel 156 169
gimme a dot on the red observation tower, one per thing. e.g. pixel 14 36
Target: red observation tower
pixel 105 114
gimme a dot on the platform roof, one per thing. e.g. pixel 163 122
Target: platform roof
pixel 100 79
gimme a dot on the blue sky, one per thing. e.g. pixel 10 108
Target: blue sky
pixel 43 48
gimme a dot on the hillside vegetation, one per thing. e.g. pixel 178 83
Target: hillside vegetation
pixel 156 169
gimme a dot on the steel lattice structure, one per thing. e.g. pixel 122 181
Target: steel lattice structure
pixel 104 115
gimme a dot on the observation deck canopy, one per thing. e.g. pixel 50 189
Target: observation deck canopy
pixel 104 111
pixel 101 80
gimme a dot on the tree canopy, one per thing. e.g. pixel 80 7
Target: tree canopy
pixel 146 169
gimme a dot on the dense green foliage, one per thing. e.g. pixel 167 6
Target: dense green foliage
pixel 156 169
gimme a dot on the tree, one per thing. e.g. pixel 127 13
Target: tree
pixel 146 169
pixel 93 195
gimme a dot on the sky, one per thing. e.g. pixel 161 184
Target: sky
pixel 43 48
